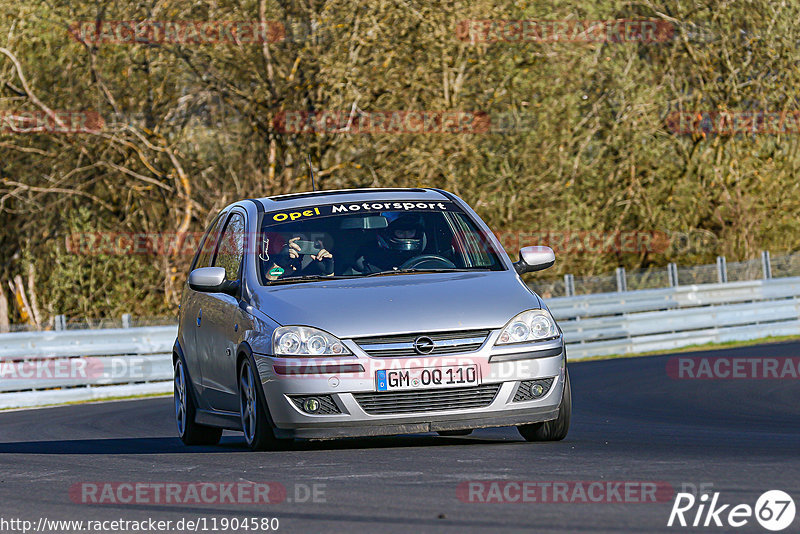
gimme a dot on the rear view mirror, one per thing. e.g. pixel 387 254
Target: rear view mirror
pixel 212 280
pixel 373 222
pixel 534 259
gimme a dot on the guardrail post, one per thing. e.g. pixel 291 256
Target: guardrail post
pixel 126 320
pixel 622 283
pixel 672 273
pixel 722 270
pixel 60 322
pixel 569 285
pixel 766 264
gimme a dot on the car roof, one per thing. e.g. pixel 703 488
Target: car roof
pixel 296 200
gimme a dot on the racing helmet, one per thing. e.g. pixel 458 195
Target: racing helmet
pixel 404 234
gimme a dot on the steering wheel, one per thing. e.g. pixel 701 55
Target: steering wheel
pixel 416 261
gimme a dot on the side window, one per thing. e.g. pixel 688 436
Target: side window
pixel 231 247
pixel 206 251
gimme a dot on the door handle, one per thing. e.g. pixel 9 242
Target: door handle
pixel 199 317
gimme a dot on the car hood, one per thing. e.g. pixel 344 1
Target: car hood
pixel 395 304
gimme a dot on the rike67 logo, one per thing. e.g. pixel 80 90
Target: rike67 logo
pixel 774 510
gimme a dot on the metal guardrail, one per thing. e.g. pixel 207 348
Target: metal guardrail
pixel 39 368
pixel 105 342
pixel 54 367
pixel 672 275
pixel 670 318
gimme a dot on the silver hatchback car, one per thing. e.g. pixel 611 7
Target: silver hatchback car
pixel 362 313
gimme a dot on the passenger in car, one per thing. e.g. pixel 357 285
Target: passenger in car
pixel 295 260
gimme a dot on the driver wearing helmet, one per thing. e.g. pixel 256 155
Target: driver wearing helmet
pixel 403 239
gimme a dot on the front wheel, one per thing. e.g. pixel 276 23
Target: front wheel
pixel 190 432
pixel 554 430
pixel 255 425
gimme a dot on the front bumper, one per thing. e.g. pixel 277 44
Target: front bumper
pixel 506 366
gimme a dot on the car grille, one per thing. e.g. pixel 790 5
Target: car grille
pixel 525 389
pixel 403 344
pixel 429 400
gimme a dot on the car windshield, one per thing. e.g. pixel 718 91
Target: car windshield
pixel 371 238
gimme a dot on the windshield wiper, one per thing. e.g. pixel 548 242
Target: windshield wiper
pixel 307 278
pixel 416 270
pixel 318 277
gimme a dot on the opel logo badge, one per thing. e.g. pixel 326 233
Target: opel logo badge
pixel 423 345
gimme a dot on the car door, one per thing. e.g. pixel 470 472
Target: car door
pixel 190 303
pixel 221 319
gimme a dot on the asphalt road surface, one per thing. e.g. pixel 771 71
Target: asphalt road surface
pixel 632 422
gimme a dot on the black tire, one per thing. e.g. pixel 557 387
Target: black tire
pixel 466 432
pixel 191 433
pixel 554 430
pixel 252 409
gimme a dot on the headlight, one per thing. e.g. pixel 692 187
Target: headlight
pixel 528 326
pixel 305 341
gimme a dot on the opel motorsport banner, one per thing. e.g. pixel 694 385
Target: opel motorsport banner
pixel 313 212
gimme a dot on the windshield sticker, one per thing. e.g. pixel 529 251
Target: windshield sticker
pixel 294 215
pixel 390 206
pixel 357 207
pixel 276 271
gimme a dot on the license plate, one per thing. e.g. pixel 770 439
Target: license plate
pixel 427 377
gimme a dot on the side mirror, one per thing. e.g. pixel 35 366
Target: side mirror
pixel 534 259
pixel 212 280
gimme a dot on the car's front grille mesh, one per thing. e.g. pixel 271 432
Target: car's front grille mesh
pixel 429 400
pixel 435 336
pixel 526 391
pixel 403 344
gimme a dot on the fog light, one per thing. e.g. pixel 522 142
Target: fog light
pixel 533 389
pixel 311 405
pixel 315 404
